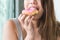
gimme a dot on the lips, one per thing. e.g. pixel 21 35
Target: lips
pixel 31 11
pixel 33 6
pixel 36 8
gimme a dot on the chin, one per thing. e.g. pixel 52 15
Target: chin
pixel 37 17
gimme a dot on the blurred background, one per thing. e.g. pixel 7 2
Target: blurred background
pixel 12 8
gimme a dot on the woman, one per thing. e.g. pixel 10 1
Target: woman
pixel 42 26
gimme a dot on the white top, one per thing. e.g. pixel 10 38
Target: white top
pixel 20 37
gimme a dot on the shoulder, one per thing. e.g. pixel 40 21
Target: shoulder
pixel 9 31
pixel 9 24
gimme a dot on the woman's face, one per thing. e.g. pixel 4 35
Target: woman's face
pixel 36 4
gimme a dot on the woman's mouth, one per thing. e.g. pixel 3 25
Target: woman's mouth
pixel 31 11
pixel 34 8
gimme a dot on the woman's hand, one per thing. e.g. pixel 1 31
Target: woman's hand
pixel 27 24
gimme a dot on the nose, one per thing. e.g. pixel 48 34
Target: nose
pixel 32 1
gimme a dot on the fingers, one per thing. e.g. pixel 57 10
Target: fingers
pixel 26 21
pixel 21 18
pixel 30 23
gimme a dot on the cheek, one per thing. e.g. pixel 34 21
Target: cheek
pixel 25 5
pixel 40 9
pixel 40 13
pixel 38 16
